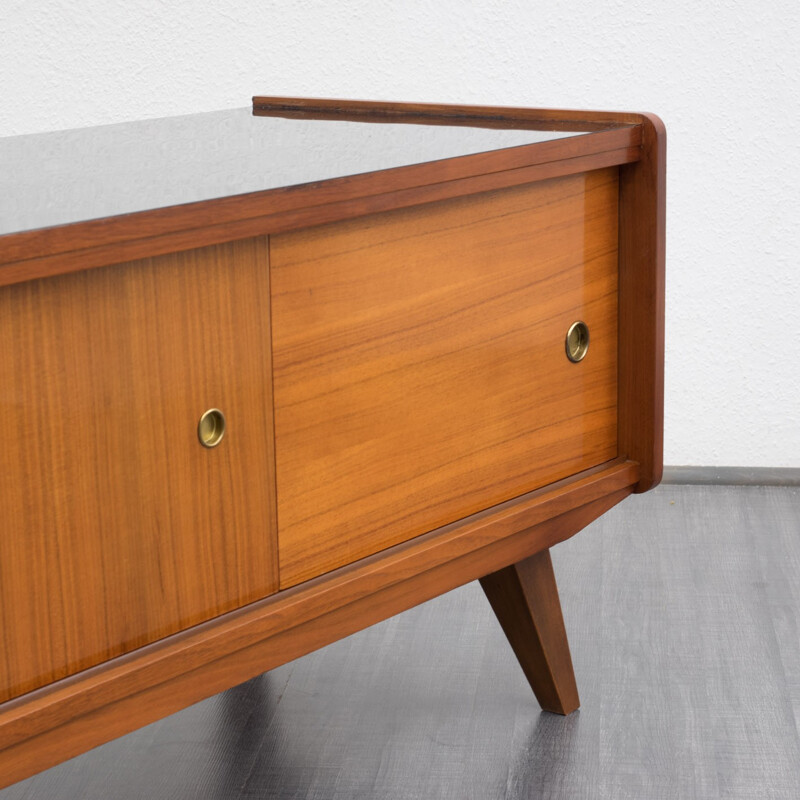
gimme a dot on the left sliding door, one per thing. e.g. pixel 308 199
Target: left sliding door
pixel 118 524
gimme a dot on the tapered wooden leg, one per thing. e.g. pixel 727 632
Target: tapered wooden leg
pixel 524 598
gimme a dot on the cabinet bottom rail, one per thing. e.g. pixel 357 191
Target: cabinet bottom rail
pixel 55 723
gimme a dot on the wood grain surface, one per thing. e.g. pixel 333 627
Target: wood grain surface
pixel 683 609
pixel 60 721
pixel 549 119
pixel 402 387
pixel 420 372
pixel 118 527
pixel 642 286
pixel 81 246
pixel 97 243
pixel 524 597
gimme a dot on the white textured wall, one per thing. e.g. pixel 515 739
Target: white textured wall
pixel 723 75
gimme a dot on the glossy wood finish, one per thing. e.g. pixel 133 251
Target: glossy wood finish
pixel 118 528
pixel 66 177
pixel 642 219
pixel 616 139
pixel 78 712
pixel 255 215
pixel 524 597
pixel 96 243
pixel 75 714
pixel 683 609
pixel 419 363
pixel 433 113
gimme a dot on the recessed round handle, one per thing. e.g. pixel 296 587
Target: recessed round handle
pixel 211 428
pixel 577 341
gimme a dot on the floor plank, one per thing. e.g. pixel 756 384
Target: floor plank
pixel 683 609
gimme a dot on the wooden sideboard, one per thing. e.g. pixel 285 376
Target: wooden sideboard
pixel 407 347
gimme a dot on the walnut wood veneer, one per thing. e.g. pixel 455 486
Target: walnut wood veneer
pixel 427 379
pixel 118 530
pixel 388 350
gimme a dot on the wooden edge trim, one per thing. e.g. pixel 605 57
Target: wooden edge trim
pixel 298 216
pixel 25 249
pixel 435 113
pixel 642 242
pixel 51 724
pixel 81 733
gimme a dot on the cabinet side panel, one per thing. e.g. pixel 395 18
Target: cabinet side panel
pixel 642 294
pixel 118 527
pixel 420 367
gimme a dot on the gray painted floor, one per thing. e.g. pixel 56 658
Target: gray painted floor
pixel 683 607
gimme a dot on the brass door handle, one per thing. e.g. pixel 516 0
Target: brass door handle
pixel 577 341
pixel 211 428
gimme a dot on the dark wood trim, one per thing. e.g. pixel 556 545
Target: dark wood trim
pixel 52 724
pixel 642 222
pixel 143 246
pixel 549 119
pixel 95 243
pixel 524 598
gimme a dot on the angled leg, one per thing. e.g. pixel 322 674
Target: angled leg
pixel 524 598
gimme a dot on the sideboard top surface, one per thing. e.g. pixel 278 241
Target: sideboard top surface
pixel 72 176
pixel 86 198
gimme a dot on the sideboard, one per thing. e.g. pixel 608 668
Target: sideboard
pixel 273 375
